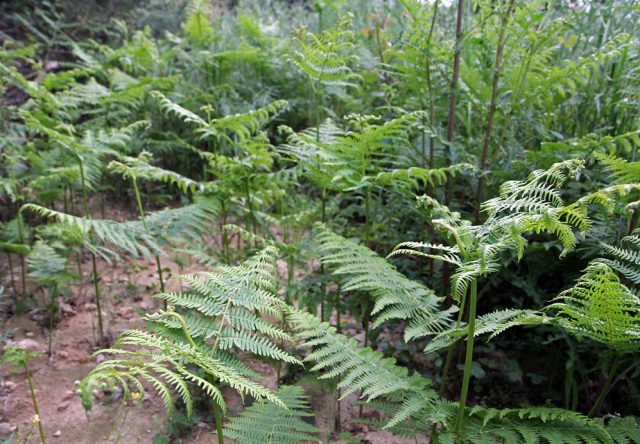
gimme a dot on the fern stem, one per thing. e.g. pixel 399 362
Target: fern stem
pixel 225 235
pixel 23 272
pixel 217 416
pixel 87 215
pixel 453 87
pixel 183 325
pixel 469 355
pixel 605 388
pixel 13 279
pixel 52 301
pixel 492 108
pixel 447 363
pixel 36 410
pixel 146 228
pixel 96 288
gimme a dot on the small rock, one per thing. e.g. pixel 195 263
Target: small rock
pixel 125 312
pixel 6 429
pixel 148 430
pixel 64 405
pixel 62 354
pixel 57 434
pixel 10 385
pixel 67 309
pixel 29 334
pixel 29 344
pixel 69 394
pixel 90 306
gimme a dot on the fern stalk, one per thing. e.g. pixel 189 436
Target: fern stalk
pixel 473 296
pixel 217 416
pixel 85 205
pixel 23 268
pixel 492 108
pixel 432 102
pixel 36 410
pixel 146 228
pixel 453 89
pixel 13 279
pixel 606 386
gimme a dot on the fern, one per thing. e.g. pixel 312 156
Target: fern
pixel 223 311
pixel 493 323
pixel 396 297
pixel 270 423
pixel 139 168
pixel 241 126
pixel 125 236
pixel 359 369
pixel 600 308
pixel 325 58
pixel 626 261
pixel 47 266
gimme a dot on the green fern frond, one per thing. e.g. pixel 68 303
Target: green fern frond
pixel 325 58
pixel 47 266
pixel 601 308
pixel 358 369
pixel 396 297
pixel 123 235
pixel 416 177
pixel 140 168
pixel 241 125
pixel 269 423
pixel 493 323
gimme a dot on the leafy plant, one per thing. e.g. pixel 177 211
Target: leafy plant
pixel 19 357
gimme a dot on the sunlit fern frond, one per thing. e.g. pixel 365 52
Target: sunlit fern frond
pixel 182 224
pixel 601 308
pixel 241 125
pixel 79 94
pixel 417 177
pixel 230 306
pixel 141 168
pixel 621 170
pixel 123 235
pixel 396 296
pixel 225 311
pixel 326 58
pixel 626 261
pixel 358 369
pixel 47 266
pixel 493 324
pixel 265 422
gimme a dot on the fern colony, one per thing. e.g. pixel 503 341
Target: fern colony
pixel 423 214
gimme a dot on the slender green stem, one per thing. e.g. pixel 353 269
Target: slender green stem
pixel 183 325
pixel 225 235
pixel 492 109
pixel 13 279
pixel 453 91
pixel 473 296
pixel 23 268
pixel 94 268
pixel 96 288
pixel 36 410
pixel 146 228
pixel 607 385
pixel 217 416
